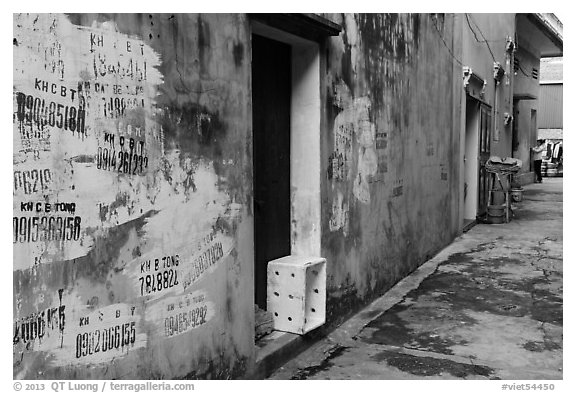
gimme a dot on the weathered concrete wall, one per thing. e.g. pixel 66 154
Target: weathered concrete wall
pixel 526 85
pixel 389 154
pixel 132 220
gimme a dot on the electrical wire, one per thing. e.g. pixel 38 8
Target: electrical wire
pixel 519 66
pixel 471 29
pixel 531 77
pixel 478 40
pixel 522 70
pixel 444 42
pixel 485 41
pixel 487 44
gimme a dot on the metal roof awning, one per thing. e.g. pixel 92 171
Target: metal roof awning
pixel 310 26
pixel 525 96
pixel 542 32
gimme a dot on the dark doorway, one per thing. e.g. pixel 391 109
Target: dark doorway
pixel 483 156
pixel 533 135
pixel 271 94
pixel 515 139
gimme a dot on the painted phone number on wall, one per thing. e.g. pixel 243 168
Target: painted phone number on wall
pixel 38 229
pixel 106 339
pixel 157 282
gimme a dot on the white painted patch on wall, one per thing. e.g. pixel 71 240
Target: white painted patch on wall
pixel 367 156
pixel 339 217
pixel 353 124
pixel 70 332
pixel 102 335
pixel 84 132
pixel 188 226
pixel 353 35
pixel 176 315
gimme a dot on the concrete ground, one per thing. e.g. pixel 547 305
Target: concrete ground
pixel 489 306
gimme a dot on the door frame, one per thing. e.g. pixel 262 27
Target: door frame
pixel 477 133
pixel 305 152
pixel 484 145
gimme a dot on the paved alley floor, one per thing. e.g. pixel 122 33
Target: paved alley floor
pixel 489 306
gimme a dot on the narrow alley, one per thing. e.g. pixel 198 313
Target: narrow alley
pixel 258 195
pixel 489 306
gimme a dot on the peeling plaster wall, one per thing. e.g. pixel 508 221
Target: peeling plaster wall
pixel 389 153
pixel 133 249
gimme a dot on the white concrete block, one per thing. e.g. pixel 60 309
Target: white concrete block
pixel 297 293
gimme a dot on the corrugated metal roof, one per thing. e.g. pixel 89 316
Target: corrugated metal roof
pixel 550 109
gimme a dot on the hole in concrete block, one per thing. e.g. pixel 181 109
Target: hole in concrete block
pixel 290 318
pixel 313 309
pixel 291 297
pixel 277 273
pixel 276 293
pixel 275 314
pixel 316 290
pixel 292 275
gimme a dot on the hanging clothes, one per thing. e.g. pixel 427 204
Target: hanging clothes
pixel 556 151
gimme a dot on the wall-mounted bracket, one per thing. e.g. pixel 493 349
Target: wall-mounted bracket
pixel 474 84
pixel 498 72
pixel 510 45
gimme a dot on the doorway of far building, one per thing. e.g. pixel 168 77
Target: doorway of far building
pixel 477 152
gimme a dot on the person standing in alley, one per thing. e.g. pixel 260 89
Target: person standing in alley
pixel 537 151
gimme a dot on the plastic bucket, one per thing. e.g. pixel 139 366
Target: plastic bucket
pixel 496 220
pixel 516 194
pixel 496 210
